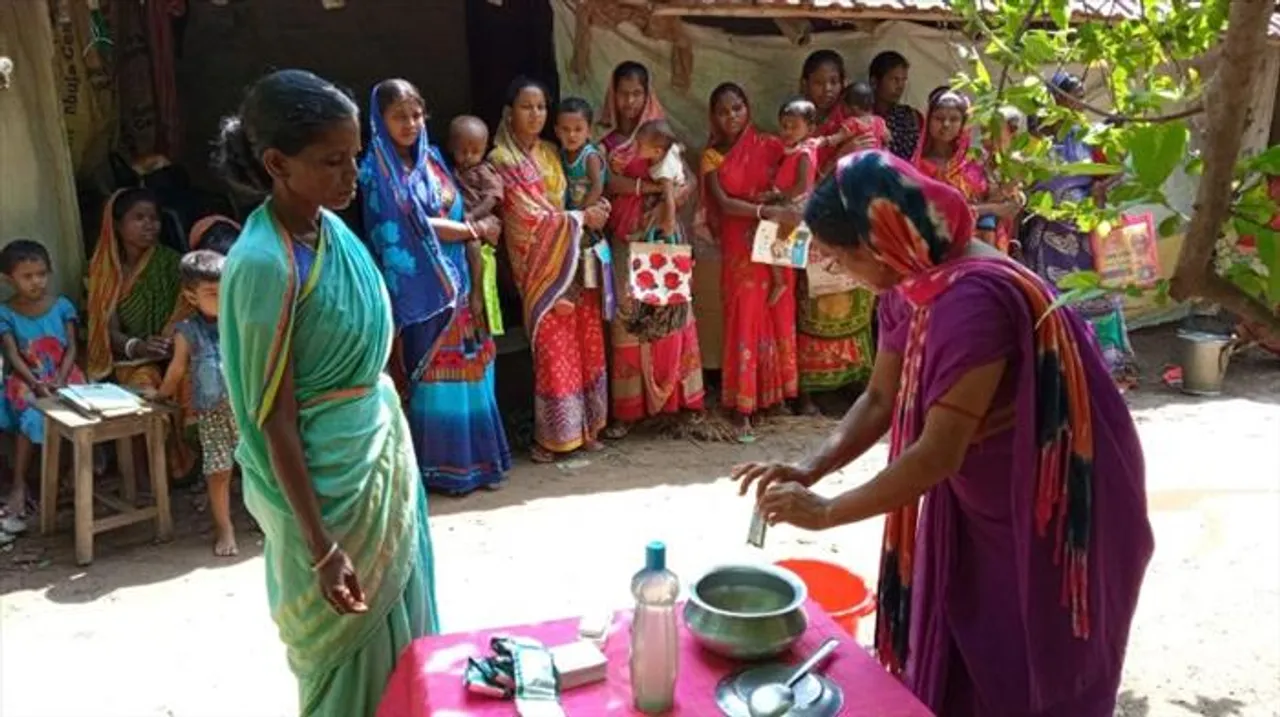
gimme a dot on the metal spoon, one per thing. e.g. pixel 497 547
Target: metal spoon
pixel 776 699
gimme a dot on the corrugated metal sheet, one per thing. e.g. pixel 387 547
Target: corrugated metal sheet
pixel 886 9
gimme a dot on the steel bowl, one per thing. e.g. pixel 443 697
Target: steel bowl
pixel 747 612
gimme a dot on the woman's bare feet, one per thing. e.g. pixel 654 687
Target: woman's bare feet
pixel 616 431
pixel 224 542
pixel 808 407
pixel 538 454
pixel 593 447
pixel 742 424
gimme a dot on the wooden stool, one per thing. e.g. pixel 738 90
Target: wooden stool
pixel 61 421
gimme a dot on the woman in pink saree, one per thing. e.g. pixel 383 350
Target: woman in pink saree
pixel 656 376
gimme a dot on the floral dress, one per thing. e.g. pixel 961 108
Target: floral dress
pixel 42 342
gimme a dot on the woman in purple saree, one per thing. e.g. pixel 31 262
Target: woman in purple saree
pixel 1009 590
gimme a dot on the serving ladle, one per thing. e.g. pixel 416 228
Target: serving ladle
pixel 776 699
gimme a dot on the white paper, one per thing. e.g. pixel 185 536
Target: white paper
pixel 791 251
pixel 826 276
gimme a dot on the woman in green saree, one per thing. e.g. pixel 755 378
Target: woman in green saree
pixel 329 471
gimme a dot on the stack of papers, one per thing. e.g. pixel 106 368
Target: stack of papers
pixel 105 400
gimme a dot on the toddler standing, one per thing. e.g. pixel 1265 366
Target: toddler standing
pixel 39 335
pixel 481 196
pixel 196 354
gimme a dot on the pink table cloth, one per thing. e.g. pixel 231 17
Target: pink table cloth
pixel 428 677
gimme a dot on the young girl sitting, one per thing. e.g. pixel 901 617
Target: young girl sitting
pixel 39 334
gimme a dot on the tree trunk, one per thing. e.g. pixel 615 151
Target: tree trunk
pixel 1227 94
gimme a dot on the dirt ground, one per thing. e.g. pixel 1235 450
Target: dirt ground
pixel 170 630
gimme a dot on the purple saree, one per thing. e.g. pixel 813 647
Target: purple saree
pixel 989 634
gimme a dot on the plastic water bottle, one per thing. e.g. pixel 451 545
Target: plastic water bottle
pixel 655 645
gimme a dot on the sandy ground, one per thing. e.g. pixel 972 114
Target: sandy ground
pixel 170 630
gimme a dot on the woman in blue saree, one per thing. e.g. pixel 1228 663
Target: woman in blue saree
pixel 329 473
pixel 411 199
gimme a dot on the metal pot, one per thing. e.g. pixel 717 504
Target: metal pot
pixel 1204 357
pixel 747 612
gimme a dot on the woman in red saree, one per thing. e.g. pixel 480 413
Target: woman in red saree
pixel 943 154
pixel 759 371
pixel 544 242
pixel 648 378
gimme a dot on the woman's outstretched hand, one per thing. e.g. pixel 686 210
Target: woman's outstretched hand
pixel 764 475
pixel 795 504
pixel 339 586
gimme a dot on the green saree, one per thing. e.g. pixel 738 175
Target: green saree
pixel 333 324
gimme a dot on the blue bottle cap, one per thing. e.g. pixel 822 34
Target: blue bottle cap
pixel 655 556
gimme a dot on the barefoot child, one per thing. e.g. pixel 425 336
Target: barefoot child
pixel 481 196
pixel 793 181
pixel 39 334
pixel 196 354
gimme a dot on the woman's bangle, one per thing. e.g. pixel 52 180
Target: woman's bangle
pixel 471 227
pixel 333 550
pixel 638 186
pixel 129 346
pixel 759 211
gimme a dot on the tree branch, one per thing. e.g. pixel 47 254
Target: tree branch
pixel 1017 37
pixel 1227 95
pixel 1191 111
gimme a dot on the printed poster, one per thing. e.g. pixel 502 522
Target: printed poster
pixel 1128 256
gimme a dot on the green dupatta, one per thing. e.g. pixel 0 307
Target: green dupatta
pixel 336 330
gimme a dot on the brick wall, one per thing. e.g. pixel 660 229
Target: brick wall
pixel 224 49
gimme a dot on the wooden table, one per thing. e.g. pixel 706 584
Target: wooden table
pixel 62 421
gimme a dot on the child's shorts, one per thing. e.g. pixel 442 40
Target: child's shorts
pixel 218 439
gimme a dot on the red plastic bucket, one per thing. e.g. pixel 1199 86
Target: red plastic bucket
pixel 842 594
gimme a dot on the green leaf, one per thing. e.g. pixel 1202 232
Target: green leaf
pixel 1243 276
pixel 1090 169
pixel 1156 150
pixel 1070 298
pixel 1268 243
pixel 1080 280
pixel 1162 292
pixel 1060 12
pixel 1170 226
pixel 1267 162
